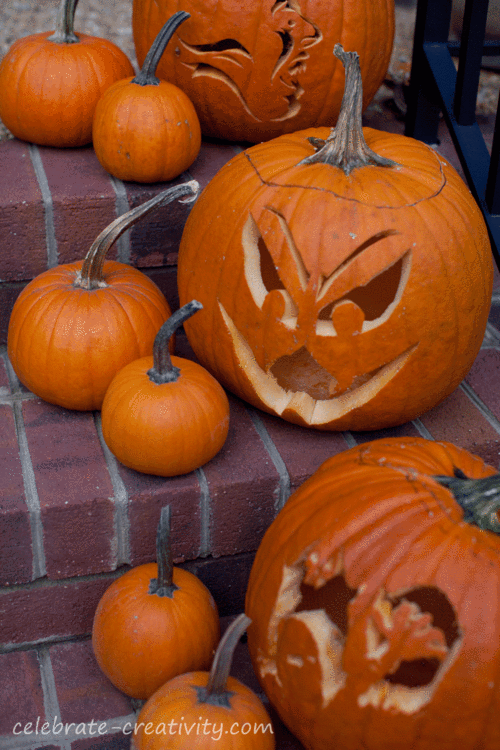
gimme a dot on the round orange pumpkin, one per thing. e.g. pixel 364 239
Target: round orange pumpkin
pixel 154 622
pixel 255 69
pixel 374 600
pixel 199 709
pixel 146 129
pixel 74 326
pixel 165 415
pixel 51 82
pixel 345 276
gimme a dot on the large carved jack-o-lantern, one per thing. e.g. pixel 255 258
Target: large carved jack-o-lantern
pixel 338 297
pixel 256 69
pixel 374 600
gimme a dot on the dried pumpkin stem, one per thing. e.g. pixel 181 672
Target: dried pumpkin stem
pixel 163 371
pixel 91 273
pixel 146 76
pixel 346 147
pixel 479 498
pixel 65 19
pixel 215 692
pixel 163 584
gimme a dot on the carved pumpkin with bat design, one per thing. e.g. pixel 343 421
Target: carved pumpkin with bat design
pixel 338 297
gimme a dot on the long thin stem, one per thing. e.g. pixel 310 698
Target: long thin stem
pixel 346 147
pixel 65 19
pixel 91 274
pixel 479 498
pixel 163 371
pixel 163 584
pixel 146 76
pixel 215 692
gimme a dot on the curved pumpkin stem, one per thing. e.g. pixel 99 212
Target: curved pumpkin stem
pixel 163 371
pixel 91 274
pixel 163 584
pixel 346 147
pixel 146 76
pixel 215 692
pixel 65 19
pixel 479 498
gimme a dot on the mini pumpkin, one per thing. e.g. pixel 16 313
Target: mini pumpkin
pixel 374 599
pixel 154 622
pixel 51 82
pixel 256 69
pixel 165 415
pixel 193 710
pixel 75 325
pixel 345 275
pixel 146 129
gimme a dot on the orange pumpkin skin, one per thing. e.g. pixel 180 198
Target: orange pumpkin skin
pixel 177 701
pixel 146 133
pixel 337 301
pixel 165 429
pixel 49 90
pixel 141 640
pixel 374 605
pixel 255 69
pixel 67 343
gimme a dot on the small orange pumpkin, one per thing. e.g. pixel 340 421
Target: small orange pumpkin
pixel 50 83
pixel 199 709
pixel 165 415
pixel 345 275
pixel 374 599
pixel 74 326
pixel 146 129
pixel 154 622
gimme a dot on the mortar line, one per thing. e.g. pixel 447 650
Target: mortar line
pixel 284 483
pixel 121 207
pixel 28 474
pixel 49 690
pixel 120 497
pixel 351 443
pixel 480 405
pixel 205 514
pixel 48 206
pixel 422 429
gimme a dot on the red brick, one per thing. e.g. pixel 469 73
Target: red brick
pixel 83 198
pixel 45 609
pixel 243 485
pixel 405 430
pixel 4 380
pixel 303 450
pixel 21 695
pixel 147 495
pixel 16 563
pixel 166 280
pixel 154 241
pixel 23 252
pixel 9 292
pixel 458 421
pixel 226 578
pixel 484 376
pixel 83 691
pixel 74 489
pixel 213 155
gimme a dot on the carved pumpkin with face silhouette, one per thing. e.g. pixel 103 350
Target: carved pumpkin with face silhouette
pixel 255 69
pixel 337 301
pixel 374 601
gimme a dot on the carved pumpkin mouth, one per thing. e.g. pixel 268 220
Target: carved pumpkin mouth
pixel 299 384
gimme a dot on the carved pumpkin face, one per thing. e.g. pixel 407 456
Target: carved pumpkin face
pixel 374 605
pixel 337 302
pixel 256 69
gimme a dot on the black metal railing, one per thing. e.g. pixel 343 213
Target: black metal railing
pixel 436 86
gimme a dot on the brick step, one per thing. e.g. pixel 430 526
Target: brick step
pixel 56 696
